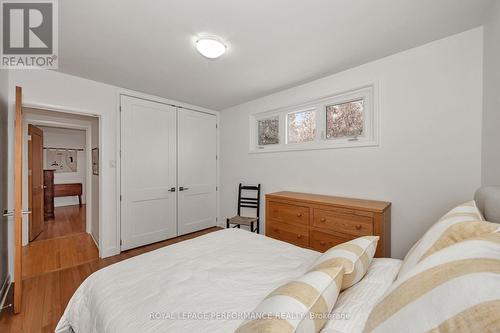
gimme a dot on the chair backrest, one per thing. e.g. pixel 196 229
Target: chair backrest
pixel 248 202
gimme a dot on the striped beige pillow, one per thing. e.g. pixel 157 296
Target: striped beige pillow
pixel 302 305
pixel 355 256
pixel 461 223
pixel 453 290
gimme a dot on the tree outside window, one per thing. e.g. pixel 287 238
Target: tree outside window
pixel 344 120
pixel 301 126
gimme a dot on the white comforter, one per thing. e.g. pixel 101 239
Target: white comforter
pixel 225 273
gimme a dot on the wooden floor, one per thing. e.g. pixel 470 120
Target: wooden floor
pixel 54 254
pixel 45 296
pixel 63 243
pixel 68 220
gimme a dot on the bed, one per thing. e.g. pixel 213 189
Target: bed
pixel 210 283
pixel 185 286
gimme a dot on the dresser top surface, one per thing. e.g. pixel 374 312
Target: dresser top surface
pixel 362 204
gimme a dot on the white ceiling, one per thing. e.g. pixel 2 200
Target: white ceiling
pixel 273 44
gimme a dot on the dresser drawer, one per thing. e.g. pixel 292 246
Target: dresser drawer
pixel 320 221
pixel 288 213
pixel 288 233
pixel 352 224
pixel 321 241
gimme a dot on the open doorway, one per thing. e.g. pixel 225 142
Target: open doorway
pixel 63 167
pixel 61 188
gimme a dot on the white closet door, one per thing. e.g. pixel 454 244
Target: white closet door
pixel 197 171
pixel 148 172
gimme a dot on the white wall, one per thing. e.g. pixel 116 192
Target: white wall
pixel 429 158
pixel 67 138
pixel 491 115
pixel 95 186
pixel 57 91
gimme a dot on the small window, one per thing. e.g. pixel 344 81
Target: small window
pixel 301 126
pixel 345 120
pixel 268 131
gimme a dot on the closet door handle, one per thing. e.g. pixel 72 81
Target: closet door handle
pixel 183 188
pixel 172 189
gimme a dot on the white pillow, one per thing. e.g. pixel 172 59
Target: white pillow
pixel 462 222
pixel 355 304
pixel 355 256
pixel 299 306
pixel 455 289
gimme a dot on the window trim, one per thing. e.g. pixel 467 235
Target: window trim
pixel 370 128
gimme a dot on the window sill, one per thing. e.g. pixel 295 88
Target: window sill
pixel 314 146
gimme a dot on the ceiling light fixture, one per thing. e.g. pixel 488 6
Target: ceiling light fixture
pixel 210 47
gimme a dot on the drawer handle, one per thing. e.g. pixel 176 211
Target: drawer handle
pixel 323 243
pixel 299 236
pixel 358 227
pixel 299 214
pixel 323 219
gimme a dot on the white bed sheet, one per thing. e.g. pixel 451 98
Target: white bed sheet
pixel 355 304
pixel 226 272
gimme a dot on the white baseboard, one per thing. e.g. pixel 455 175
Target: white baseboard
pixel 95 242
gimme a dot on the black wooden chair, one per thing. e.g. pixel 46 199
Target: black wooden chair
pixel 246 202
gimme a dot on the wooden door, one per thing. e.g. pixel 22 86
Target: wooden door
pixel 18 203
pixel 4 193
pixel 197 171
pixel 148 172
pixel 35 181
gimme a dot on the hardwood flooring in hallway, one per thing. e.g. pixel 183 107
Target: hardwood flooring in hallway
pixel 68 220
pixel 63 243
pixel 58 253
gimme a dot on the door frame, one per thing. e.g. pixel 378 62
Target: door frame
pixel 179 107
pixel 30 180
pixel 88 145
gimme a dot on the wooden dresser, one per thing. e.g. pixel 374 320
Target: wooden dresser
pixel 48 194
pixel 69 190
pixel 52 191
pixel 320 222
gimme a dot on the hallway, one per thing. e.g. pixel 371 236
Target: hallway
pixel 63 243
pixel 69 220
